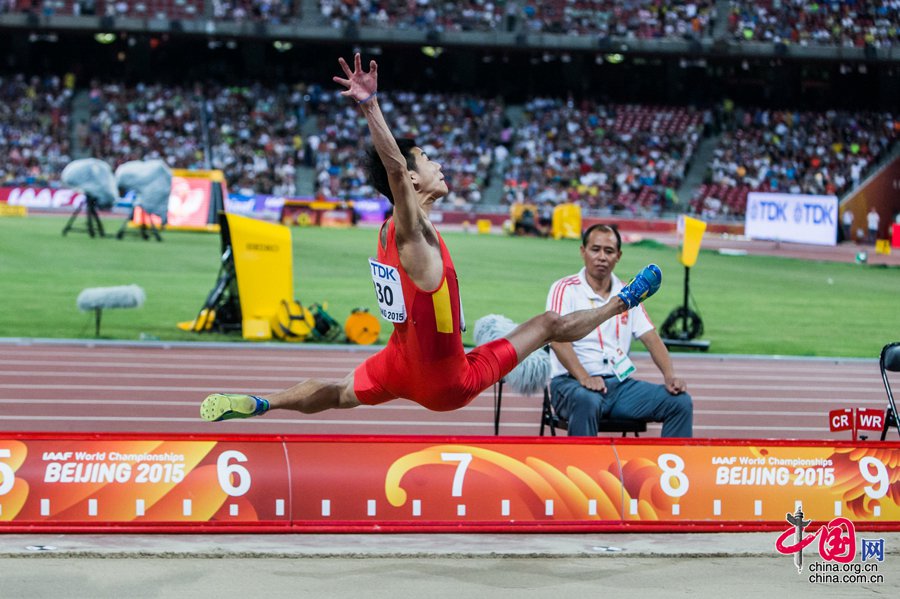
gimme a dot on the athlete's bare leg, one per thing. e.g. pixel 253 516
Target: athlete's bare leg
pixel 313 396
pixel 550 326
pixel 309 397
pixel 545 328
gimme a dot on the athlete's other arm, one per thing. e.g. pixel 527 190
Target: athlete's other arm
pixel 421 259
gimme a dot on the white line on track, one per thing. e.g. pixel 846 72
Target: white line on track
pixel 101 369
pixel 190 403
pixel 405 423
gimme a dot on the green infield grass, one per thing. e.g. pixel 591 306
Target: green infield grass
pixel 749 304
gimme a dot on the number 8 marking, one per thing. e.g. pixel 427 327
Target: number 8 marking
pixel 7 476
pixel 676 471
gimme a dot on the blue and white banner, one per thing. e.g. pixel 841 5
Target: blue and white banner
pixel 792 217
pixel 265 207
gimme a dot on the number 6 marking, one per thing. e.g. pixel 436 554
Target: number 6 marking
pixel 7 476
pixel 224 470
pixel 464 460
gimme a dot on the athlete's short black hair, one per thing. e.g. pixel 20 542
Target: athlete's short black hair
pixel 605 229
pixel 378 174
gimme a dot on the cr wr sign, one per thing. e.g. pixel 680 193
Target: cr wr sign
pixel 792 217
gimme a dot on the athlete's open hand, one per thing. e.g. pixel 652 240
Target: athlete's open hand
pixel 360 85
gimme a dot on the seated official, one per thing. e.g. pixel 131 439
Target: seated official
pixel 592 379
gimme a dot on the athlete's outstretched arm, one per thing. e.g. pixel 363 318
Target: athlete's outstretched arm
pixel 362 88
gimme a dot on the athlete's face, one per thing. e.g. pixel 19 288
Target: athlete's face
pixel 600 254
pixel 428 178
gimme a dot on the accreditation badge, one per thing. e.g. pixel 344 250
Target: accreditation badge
pixel 622 365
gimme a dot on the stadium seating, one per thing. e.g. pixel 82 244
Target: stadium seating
pixel 640 19
pixel 615 157
pixel 459 131
pixel 144 122
pixel 797 152
pixel 857 23
pixel 860 23
pixel 627 159
pixel 34 123
pixel 228 10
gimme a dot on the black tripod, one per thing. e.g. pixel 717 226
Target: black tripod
pixel 146 223
pixel 683 325
pixel 222 308
pixel 93 218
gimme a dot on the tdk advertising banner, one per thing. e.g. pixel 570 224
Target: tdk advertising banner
pixel 792 217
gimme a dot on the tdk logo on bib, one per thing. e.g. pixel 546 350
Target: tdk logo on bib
pixel 380 271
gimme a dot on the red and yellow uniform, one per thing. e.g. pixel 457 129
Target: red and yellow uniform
pixel 424 359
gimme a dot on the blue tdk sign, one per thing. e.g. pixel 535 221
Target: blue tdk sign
pixel 773 211
pixel 792 217
pixel 817 214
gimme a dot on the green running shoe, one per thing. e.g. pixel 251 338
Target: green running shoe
pixel 226 406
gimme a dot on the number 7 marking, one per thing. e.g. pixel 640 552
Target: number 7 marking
pixel 464 460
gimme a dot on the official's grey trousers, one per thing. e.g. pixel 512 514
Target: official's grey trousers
pixel 633 399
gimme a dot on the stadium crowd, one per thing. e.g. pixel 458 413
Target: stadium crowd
pixel 822 153
pixel 255 136
pixel 856 23
pixel 143 122
pixel 627 159
pixel 275 11
pixel 462 132
pixel 615 157
pixel 853 23
pixel 34 128
pixel 270 11
pixel 642 19
pixel 253 131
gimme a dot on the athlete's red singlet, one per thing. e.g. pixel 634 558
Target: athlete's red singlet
pixel 424 359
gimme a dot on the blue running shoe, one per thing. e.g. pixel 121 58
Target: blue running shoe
pixel 642 286
pixel 226 406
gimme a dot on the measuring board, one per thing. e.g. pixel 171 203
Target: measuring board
pixel 269 483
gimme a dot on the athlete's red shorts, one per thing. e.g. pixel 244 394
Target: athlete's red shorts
pixel 446 385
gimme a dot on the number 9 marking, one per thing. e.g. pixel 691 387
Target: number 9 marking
pixel 224 470
pixel 880 477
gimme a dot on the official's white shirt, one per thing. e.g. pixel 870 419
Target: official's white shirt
pixel 598 347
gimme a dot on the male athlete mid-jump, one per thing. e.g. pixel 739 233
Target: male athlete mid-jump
pixel 424 359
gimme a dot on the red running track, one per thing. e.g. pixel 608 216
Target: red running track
pixel 97 387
